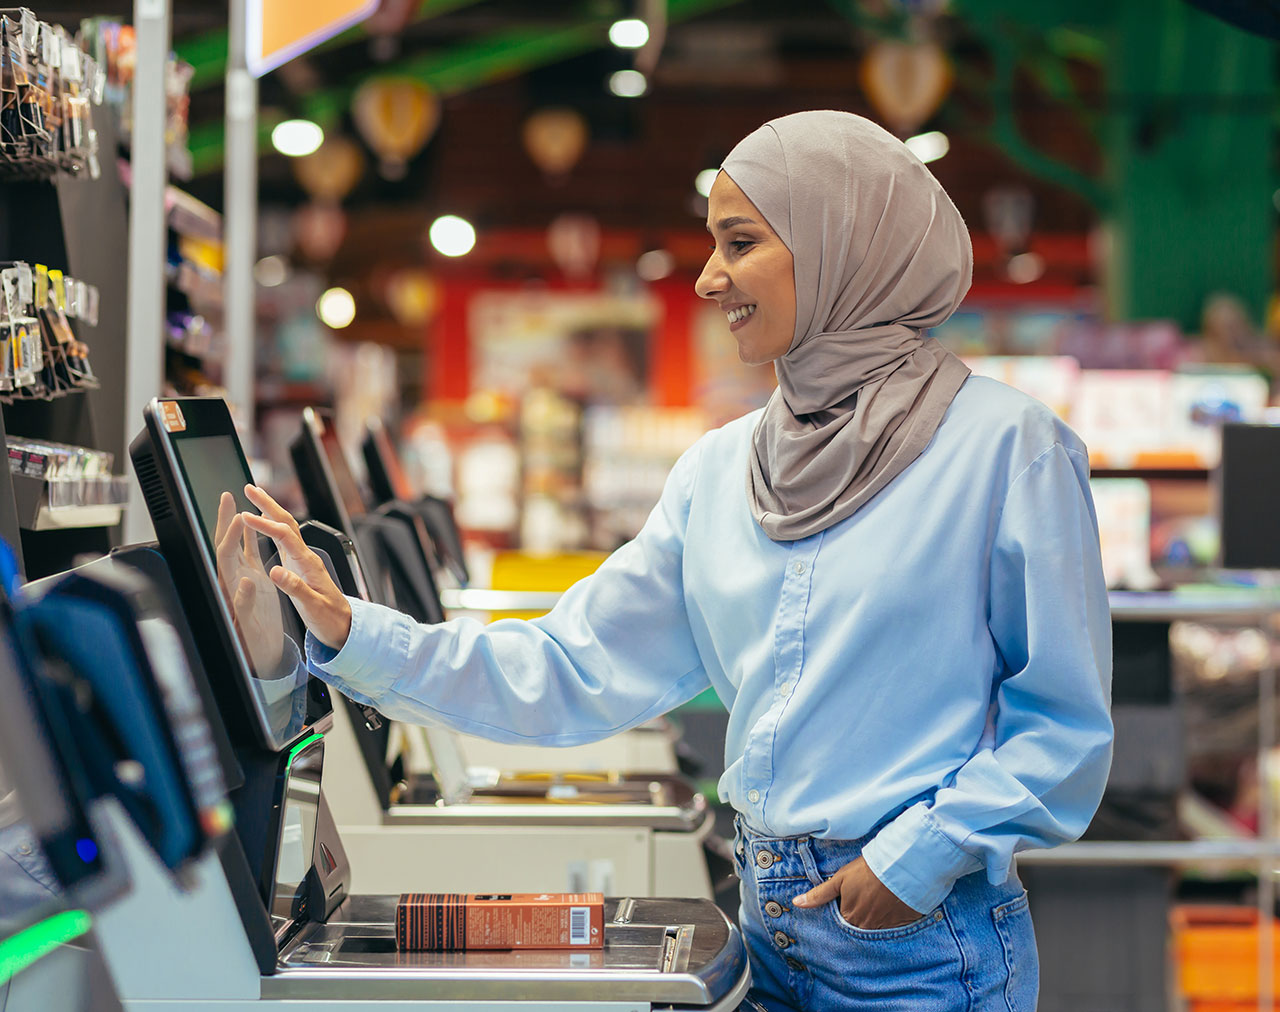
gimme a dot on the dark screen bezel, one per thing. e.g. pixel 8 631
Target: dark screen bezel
pixel 210 416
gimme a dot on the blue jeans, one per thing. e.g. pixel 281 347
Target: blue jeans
pixel 974 953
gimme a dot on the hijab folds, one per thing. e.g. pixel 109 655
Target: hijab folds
pixel 881 254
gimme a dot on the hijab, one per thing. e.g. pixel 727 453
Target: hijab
pixel 881 254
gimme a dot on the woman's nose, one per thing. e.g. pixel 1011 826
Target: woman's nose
pixel 713 280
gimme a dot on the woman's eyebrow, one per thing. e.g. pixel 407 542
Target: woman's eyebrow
pixel 725 223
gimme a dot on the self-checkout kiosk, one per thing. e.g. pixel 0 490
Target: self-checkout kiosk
pixel 280 924
pixel 105 743
pixel 639 832
pixel 54 875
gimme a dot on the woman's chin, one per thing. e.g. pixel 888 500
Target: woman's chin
pixel 749 355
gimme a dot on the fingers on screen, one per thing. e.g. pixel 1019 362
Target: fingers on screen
pixel 226 510
pixel 287 538
pixel 229 544
pixel 270 508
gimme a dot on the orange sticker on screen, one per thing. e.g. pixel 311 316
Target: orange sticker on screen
pixel 171 417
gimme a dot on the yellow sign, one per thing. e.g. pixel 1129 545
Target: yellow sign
pixel 279 30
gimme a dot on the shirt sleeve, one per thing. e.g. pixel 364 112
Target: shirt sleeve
pixel 1038 775
pixel 616 650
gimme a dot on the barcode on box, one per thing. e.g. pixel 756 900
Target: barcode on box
pixel 579 925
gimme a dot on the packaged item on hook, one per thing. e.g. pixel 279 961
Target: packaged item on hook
pixel 20 330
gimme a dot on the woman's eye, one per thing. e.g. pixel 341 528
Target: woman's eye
pixel 741 245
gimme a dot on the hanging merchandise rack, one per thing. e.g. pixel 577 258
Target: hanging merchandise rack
pixel 63 258
pixel 48 87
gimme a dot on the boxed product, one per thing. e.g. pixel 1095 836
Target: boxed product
pixel 437 921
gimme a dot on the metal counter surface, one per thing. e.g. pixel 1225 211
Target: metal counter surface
pixel 354 956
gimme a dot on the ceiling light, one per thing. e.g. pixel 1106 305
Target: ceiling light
pixel 705 180
pixel 655 265
pixel 929 147
pixel 629 33
pixel 628 84
pixel 1025 267
pixel 297 137
pixel 271 272
pixel 336 308
pixel 452 236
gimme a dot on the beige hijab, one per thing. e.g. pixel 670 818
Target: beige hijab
pixel 880 255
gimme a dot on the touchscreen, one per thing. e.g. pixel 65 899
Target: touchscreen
pixel 264 623
pixel 347 489
pixel 297 834
pixel 396 477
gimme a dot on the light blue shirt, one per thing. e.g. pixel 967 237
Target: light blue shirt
pixel 941 659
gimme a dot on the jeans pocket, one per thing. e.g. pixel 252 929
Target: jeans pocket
pixel 885 934
pixel 1018 940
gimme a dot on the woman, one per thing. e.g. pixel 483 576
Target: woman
pixel 904 613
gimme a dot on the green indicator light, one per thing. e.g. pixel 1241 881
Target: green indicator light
pixel 24 948
pixel 293 752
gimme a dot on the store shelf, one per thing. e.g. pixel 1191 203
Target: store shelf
pixel 1172 853
pixel 498 600
pixel 61 504
pixel 1225 604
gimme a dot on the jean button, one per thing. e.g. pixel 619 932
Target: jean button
pixel 773 908
pixel 795 964
pixel 780 939
pixel 765 859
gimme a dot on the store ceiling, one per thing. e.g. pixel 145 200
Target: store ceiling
pixel 726 66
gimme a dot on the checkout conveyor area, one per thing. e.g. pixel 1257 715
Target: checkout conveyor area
pixel 196 779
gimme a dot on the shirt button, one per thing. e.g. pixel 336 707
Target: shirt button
pixel 753 795
pixel 798 569
pixel 765 859
pixel 24 849
pixel 780 939
pixel 773 908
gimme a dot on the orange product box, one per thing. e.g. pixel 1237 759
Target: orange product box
pixel 1216 948
pixel 439 921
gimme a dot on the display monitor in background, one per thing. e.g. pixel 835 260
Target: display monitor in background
pixel 387 479
pixel 353 499
pixel 388 483
pixel 249 638
pixel 331 492
pixel 1249 496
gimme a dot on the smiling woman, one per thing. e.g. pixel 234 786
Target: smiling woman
pixel 750 275
pixel 890 575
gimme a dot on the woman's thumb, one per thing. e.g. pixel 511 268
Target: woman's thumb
pixel 818 895
pixel 245 595
pixel 291 583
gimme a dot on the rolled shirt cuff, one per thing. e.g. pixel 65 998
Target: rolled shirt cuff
pixel 370 660
pixel 916 861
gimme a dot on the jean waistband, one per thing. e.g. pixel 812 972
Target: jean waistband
pixel 744 830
